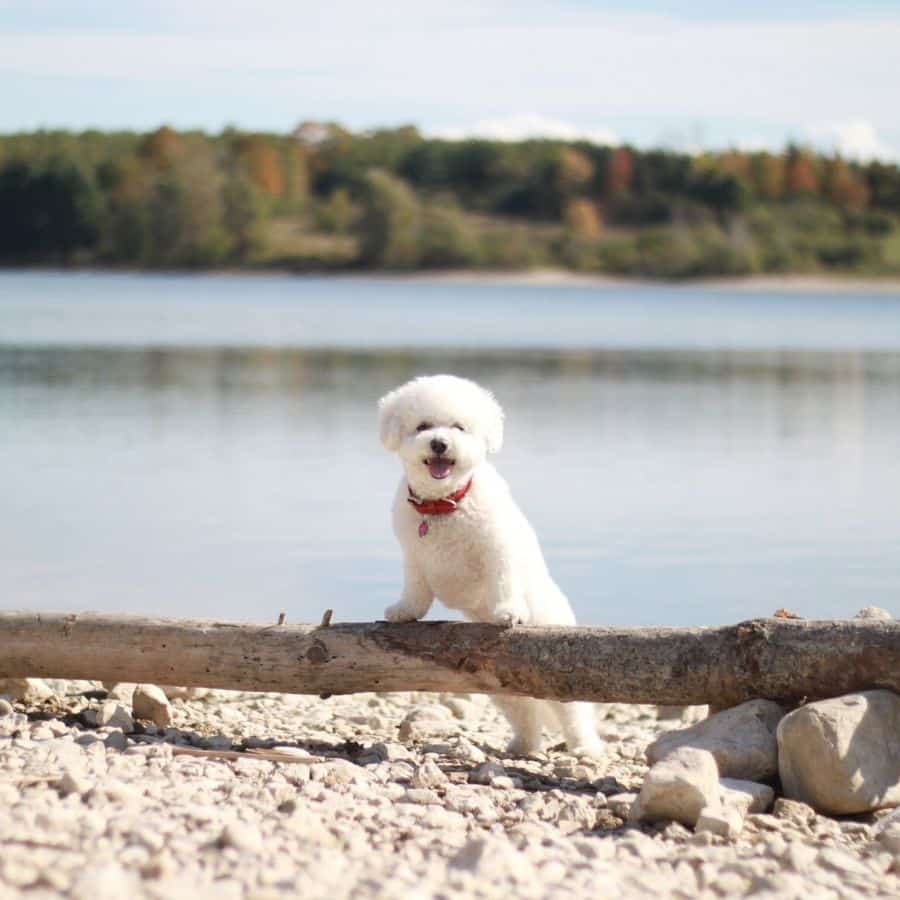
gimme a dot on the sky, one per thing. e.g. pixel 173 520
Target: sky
pixel 692 75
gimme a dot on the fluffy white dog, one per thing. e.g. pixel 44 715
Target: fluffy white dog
pixel 464 539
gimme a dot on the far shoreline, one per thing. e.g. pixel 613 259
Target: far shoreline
pixel 539 277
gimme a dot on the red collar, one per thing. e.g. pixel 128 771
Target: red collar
pixel 440 507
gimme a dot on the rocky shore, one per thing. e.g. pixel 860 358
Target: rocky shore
pixel 399 795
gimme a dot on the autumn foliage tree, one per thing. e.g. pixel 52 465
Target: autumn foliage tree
pixel 802 179
pixel 619 170
pixel 582 219
pixel 843 187
pixel 261 161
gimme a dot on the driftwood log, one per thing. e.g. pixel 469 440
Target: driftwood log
pixel 780 659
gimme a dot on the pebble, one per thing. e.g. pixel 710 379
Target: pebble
pixel 241 837
pixel 486 773
pixel 114 715
pixel 428 775
pixel 360 814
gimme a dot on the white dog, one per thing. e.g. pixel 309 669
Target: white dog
pixel 464 539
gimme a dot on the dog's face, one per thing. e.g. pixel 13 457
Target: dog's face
pixel 442 427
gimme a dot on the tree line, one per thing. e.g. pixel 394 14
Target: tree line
pixel 323 197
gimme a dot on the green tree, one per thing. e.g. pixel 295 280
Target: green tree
pixel 390 222
pixel 335 215
pixel 446 240
pixel 241 215
pixel 47 213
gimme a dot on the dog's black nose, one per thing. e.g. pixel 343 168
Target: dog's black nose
pixel 439 446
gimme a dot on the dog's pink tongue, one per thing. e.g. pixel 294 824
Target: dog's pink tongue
pixel 439 468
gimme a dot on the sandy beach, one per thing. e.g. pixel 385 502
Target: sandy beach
pixel 397 795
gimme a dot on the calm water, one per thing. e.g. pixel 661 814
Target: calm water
pixel 206 445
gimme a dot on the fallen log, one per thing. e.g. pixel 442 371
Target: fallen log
pixel 780 659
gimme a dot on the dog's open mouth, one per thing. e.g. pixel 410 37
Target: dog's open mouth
pixel 439 466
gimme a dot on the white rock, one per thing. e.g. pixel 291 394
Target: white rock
pixel 506 783
pixel 122 691
pixel 390 751
pixel 337 771
pixel 73 782
pixel 842 756
pixel 241 837
pixel 486 772
pixel 30 690
pixel 745 796
pixel 464 750
pixel 149 702
pixel 5 707
pixel 794 811
pixel 620 804
pixel 800 857
pixel 115 716
pixel 427 720
pixel 177 692
pixel 428 775
pixel 736 799
pixel 873 612
pixel 106 881
pixel 687 714
pixel 724 821
pixel 889 838
pixel 679 787
pixel 421 795
pixel 461 707
pixel 742 740
pixel 494 857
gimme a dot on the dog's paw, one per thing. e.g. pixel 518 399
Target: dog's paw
pixel 523 747
pixel 399 612
pixel 508 616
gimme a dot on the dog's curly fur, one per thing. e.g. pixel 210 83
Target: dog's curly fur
pixel 484 558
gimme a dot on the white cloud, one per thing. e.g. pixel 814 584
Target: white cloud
pixel 853 139
pixel 521 126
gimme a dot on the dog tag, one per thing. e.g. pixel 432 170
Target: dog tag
pixel 423 528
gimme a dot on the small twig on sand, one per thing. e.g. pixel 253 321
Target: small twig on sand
pixel 285 756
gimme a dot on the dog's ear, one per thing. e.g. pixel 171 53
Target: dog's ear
pixel 493 423
pixel 389 423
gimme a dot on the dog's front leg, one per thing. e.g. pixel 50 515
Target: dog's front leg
pixel 509 607
pixel 416 598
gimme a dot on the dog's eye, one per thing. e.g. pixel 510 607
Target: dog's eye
pixel 457 425
pixel 423 426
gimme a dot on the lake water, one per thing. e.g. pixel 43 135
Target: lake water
pixel 206 445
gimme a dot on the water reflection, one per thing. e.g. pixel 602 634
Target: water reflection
pixel 666 485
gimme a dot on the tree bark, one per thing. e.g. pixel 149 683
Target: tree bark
pixel 780 659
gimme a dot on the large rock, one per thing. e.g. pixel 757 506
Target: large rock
pixel 29 690
pixel 679 787
pixel 742 740
pixel 149 702
pixel 842 756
